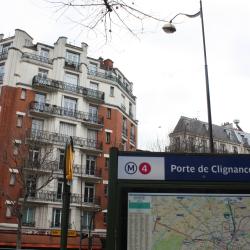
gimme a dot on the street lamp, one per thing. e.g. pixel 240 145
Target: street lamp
pixel 170 28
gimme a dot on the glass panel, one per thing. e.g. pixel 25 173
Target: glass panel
pixel 67 129
pixel 37 124
pixel 71 79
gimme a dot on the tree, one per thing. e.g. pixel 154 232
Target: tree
pixel 105 14
pixel 32 168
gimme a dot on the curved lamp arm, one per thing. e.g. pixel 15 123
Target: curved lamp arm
pixel 188 15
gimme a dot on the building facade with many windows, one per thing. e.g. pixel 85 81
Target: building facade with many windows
pixel 49 93
pixel 192 135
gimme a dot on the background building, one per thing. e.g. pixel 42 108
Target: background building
pixel 192 135
pixel 49 93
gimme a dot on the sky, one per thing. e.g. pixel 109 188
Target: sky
pixel 167 70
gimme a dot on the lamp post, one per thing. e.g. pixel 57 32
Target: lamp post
pixel 170 28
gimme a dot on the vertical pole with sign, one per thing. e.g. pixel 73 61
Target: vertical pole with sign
pixel 68 175
pixel 112 201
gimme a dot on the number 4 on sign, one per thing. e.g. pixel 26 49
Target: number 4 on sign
pixel 145 168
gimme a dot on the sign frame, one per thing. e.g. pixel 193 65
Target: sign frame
pixel 120 187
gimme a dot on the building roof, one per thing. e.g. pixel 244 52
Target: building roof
pixel 196 127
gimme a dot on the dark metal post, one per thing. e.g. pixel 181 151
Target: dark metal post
pixel 210 128
pixel 66 204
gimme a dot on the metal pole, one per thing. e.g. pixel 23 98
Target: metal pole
pixel 81 213
pixel 210 129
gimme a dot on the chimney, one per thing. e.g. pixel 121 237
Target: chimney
pixel 108 64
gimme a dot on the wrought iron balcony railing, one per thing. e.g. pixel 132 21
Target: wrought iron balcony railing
pixel 37 58
pixel 56 110
pixel 48 83
pixel 57 167
pixel 50 137
pixel 53 196
pixel 110 76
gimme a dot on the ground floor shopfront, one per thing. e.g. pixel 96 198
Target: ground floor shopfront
pixel 38 242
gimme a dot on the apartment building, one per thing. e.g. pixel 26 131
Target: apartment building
pixel 192 135
pixel 49 93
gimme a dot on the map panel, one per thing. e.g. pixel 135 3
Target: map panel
pixel 159 221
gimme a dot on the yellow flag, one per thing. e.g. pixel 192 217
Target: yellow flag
pixel 69 162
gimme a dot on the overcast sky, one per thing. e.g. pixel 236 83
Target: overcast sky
pixel 167 70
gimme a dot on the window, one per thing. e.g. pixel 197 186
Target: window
pixel 40 99
pixel 37 124
pixel 203 146
pixel 132 133
pixel 31 186
pixel 130 109
pixel 19 121
pixel 93 113
pixel 94 86
pixel 71 79
pixel 43 73
pixel 59 192
pixel 93 67
pixel 106 189
pixel 12 178
pixel 23 94
pixel 112 91
pixel 69 105
pixel 90 165
pixel 123 106
pixel 72 57
pixel 222 148
pixel 92 138
pixel 124 127
pixel 8 211
pixel 87 215
pixel 44 53
pixel 1 73
pixel 89 192
pixel 106 162
pixel 124 145
pixel 108 137
pixel 67 129
pixel 105 218
pixel 28 218
pixel 15 149
pixel 108 113
pixel 61 158
pixel 34 156
pixel 5 47
pixel 56 217
pixel 235 150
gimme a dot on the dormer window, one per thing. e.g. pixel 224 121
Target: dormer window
pixel 44 53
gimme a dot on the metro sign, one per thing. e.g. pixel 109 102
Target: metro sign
pixel 144 168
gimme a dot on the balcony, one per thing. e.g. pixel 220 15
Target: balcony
pixel 52 196
pixel 45 109
pixel 34 57
pixel 48 84
pixel 87 173
pixel 50 137
pixel 69 64
pixel 3 55
pixel 109 75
